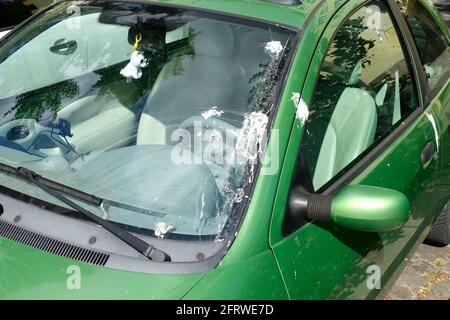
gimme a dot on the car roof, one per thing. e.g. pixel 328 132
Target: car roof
pixel 293 15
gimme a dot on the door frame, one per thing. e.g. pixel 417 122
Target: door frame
pixel 293 165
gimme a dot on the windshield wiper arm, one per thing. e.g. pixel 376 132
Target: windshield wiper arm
pixel 86 197
pixel 139 245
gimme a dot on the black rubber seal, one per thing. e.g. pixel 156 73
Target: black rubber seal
pixel 319 207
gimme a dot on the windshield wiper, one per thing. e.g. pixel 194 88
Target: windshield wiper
pixel 139 245
pixel 102 203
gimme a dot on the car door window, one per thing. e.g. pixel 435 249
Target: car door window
pixel 430 41
pixel 364 91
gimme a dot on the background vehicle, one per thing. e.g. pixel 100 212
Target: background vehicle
pixel 13 12
pixel 347 103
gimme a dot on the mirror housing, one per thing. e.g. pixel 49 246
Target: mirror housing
pixel 356 207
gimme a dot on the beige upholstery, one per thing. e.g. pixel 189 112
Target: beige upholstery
pixel 350 132
pixel 99 123
pixel 188 86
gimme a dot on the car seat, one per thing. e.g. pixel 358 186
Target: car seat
pixel 350 131
pixel 190 85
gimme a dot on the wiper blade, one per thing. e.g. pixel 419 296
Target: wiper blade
pixel 96 201
pixel 86 197
pixel 136 243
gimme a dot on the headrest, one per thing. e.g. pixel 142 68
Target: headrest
pixel 356 74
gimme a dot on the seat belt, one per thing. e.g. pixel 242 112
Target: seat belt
pixel 381 95
pixel 397 111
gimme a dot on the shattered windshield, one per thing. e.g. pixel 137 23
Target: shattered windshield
pixel 162 111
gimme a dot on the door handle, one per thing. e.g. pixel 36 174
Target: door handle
pixel 64 47
pixel 428 152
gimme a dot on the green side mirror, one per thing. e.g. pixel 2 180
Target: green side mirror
pixel 368 208
pixel 356 207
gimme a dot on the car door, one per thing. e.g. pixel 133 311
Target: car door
pixel 367 126
pixel 431 37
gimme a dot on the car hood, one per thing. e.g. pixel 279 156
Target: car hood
pixel 28 273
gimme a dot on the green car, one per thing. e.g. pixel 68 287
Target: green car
pixel 222 149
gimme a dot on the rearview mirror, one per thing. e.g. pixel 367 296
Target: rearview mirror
pixel 356 207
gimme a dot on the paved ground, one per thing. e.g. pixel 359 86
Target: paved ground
pixel 426 277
